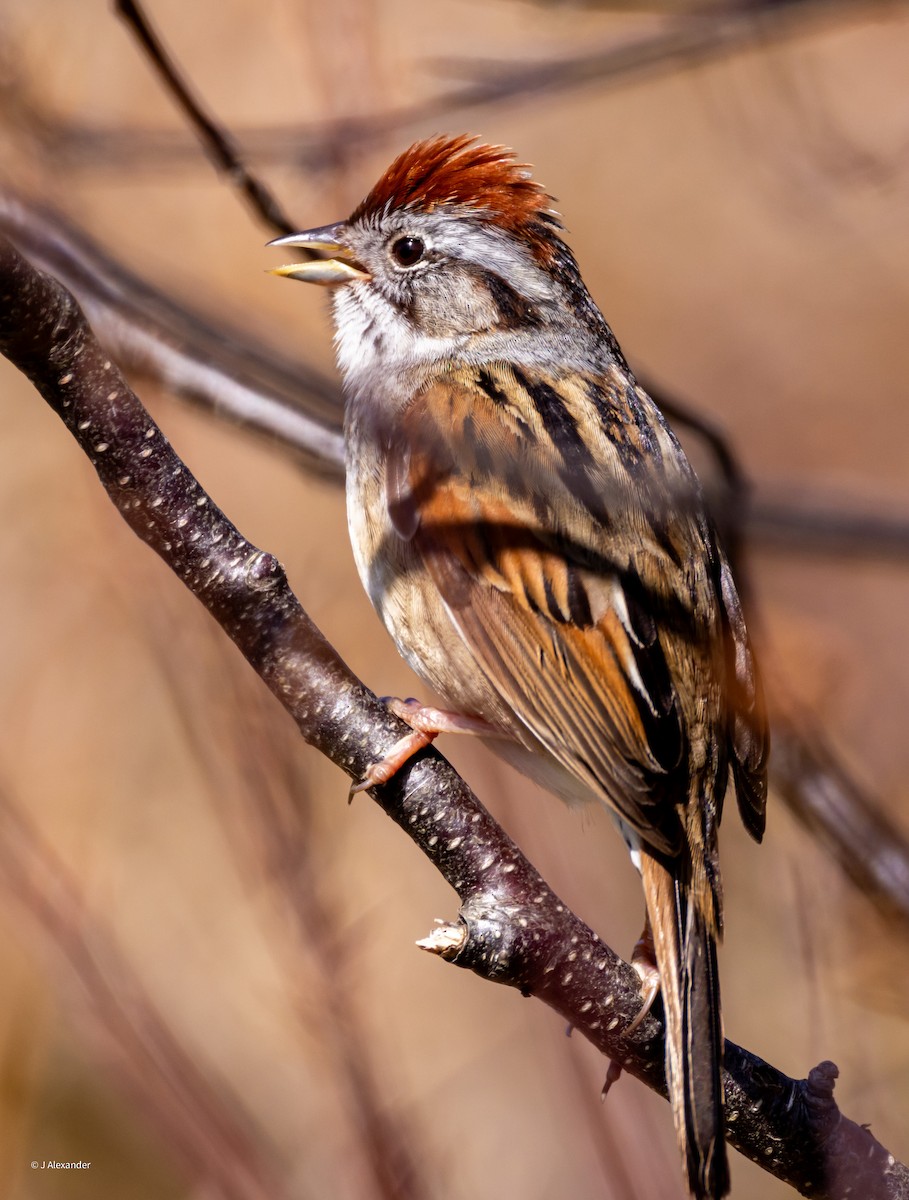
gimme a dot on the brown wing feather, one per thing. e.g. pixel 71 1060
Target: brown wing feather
pixel 565 684
pixel 749 732
pixel 554 604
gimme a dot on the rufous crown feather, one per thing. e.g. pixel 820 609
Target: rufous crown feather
pixel 461 172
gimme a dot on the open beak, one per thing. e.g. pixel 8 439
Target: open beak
pixel 336 268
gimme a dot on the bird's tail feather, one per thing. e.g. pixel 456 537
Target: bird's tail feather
pixel 685 948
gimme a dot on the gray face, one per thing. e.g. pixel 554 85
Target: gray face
pixel 445 284
pixel 450 272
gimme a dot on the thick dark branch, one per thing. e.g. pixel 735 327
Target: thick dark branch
pixel 512 928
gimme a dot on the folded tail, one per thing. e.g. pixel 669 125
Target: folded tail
pixel 685 947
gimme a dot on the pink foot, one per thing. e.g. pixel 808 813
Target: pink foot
pixel 437 720
pixel 426 723
pixel 380 772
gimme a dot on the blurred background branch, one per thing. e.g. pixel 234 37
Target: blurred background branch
pixel 197 1118
pixel 680 40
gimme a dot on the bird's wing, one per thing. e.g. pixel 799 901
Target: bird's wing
pixel 562 528
pixel 749 734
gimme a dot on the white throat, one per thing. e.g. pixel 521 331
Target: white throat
pixel 381 353
pixel 373 340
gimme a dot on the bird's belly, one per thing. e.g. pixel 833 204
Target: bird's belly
pixel 552 776
pixel 533 760
pixel 413 612
pixel 428 639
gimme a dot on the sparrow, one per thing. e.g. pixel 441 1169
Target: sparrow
pixel 533 537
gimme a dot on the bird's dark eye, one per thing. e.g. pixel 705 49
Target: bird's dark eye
pixel 407 251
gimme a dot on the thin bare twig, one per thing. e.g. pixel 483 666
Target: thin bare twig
pixel 218 145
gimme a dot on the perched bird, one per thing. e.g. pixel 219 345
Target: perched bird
pixel 530 532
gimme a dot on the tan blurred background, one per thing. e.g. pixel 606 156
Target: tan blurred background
pixel 210 984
